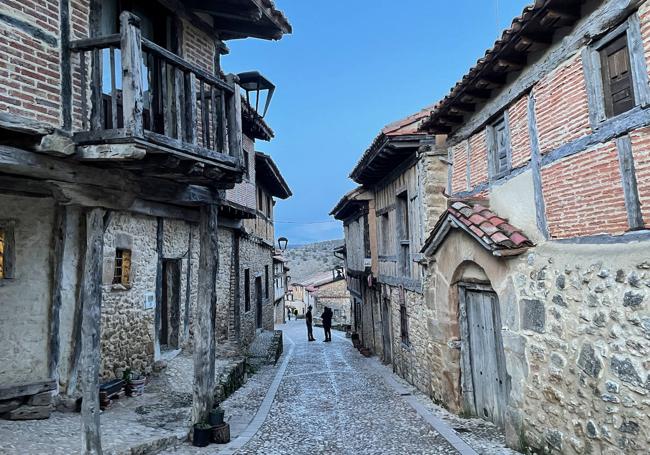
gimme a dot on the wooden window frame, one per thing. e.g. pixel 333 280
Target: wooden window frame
pixel 9 251
pixel 495 173
pixel 124 277
pixel 592 66
pixel 402 204
pixel 247 290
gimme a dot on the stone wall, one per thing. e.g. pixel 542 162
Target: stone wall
pixel 127 334
pixel 575 329
pixel 254 255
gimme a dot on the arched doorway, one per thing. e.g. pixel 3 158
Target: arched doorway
pixel 484 378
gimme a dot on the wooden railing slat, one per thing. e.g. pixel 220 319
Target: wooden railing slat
pixel 114 123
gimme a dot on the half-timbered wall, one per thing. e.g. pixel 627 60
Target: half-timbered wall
pixel 355 239
pixel 388 219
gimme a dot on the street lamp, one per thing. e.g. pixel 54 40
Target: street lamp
pixel 282 243
pixel 253 81
pixel 338 272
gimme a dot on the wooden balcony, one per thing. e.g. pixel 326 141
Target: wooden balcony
pixel 140 107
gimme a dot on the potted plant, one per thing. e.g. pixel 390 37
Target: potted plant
pixel 216 416
pixel 202 434
pixel 134 383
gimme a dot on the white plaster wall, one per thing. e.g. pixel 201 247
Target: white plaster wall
pixel 515 200
pixel 25 300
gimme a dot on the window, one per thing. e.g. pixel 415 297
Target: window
pixel 403 231
pixel 385 233
pixel 403 323
pixel 618 89
pixel 266 281
pixel 499 148
pixel 7 246
pixel 247 290
pixel 247 165
pixel 122 270
pixel 269 207
pixel 616 72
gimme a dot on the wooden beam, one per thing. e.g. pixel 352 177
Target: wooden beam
pixel 204 339
pixel 234 119
pixel 13 122
pixel 56 258
pixel 110 152
pixel 22 390
pixel 160 238
pixel 131 45
pixel 90 332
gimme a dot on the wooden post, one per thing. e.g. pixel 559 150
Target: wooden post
pixel 160 237
pixel 90 332
pixel 235 139
pixel 204 339
pixel 190 108
pixel 58 252
pixel 131 43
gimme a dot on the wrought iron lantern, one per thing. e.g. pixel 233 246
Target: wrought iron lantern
pixel 282 243
pixel 254 82
pixel 338 272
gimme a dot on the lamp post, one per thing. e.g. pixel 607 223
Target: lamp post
pixel 253 81
pixel 282 243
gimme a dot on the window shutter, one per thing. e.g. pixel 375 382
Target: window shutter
pixel 617 77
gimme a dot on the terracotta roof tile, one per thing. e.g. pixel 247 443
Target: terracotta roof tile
pixel 495 233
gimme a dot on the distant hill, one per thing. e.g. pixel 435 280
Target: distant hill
pixel 305 260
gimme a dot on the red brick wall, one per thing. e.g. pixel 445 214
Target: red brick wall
pixel 459 169
pixel 29 68
pixel 561 106
pixel 641 152
pixel 644 16
pixel 519 137
pixel 584 195
pixel 478 162
pixel 198 47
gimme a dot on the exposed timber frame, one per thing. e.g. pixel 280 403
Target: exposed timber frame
pixel 56 258
pixel 204 340
pixel 90 332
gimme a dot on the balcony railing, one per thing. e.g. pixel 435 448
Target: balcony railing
pixel 132 88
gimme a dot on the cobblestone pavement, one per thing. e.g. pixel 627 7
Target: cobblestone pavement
pixel 332 400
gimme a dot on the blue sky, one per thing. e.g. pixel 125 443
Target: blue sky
pixel 349 68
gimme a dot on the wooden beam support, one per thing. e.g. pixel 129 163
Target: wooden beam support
pixel 110 152
pixel 56 144
pixel 13 122
pixel 203 391
pixel 234 119
pixel 56 258
pixel 131 45
pixel 90 332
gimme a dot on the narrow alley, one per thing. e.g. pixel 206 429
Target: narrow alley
pixel 330 399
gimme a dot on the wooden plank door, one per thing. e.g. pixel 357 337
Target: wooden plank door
pixel 487 361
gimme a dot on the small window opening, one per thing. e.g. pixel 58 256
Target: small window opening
pixel 122 271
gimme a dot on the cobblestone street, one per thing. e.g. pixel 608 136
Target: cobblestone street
pixel 332 400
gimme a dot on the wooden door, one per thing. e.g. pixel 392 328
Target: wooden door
pixel 170 311
pixel 386 332
pixel 258 297
pixel 486 357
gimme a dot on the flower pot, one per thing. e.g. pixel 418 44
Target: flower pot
pixel 135 387
pixel 221 433
pixel 216 416
pixel 202 436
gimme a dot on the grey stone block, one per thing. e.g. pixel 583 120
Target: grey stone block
pixel 533 315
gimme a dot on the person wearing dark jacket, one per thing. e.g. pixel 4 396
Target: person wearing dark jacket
pixel 308 319
pixel 327 323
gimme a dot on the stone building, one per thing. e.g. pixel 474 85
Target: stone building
pixel 281 285
pixel 135 213
pixel 386 220
pixel 534 285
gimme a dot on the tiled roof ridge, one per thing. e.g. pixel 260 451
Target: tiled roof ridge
pixel 495 231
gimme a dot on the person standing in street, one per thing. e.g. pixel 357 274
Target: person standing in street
pixel 289 313
pixel 308 319
pixel 327 323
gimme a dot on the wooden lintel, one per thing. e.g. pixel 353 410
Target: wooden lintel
pixel 110 152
